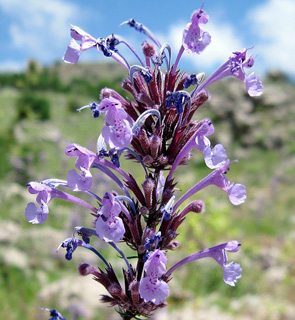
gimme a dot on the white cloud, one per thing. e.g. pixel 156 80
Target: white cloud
pixel 39 28
pixel 274 24
pixel 224 41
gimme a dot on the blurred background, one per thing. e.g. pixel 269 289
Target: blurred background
pixel 39 95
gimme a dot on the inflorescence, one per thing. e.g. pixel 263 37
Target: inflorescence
pixel 156 130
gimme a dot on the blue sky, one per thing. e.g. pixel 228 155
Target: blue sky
pixel 39 29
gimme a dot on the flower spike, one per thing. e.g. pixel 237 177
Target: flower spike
pixel 154 124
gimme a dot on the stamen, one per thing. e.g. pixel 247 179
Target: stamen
pixel 141 120
pixel 143 71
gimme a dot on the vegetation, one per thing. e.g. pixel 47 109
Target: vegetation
pixel 36 122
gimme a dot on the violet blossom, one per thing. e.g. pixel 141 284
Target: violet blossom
pixel 151 288
pixel 34 214
pixel 231 271
pixel 234 66
pixel 84 161
pixel 195 39
pixel 109 226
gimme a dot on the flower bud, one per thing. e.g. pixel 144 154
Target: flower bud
pixel 173 245
pixel 134 292
pixel 84 269
pixel 196 206
pixel 115 290
pixel 148 49
pixel 144 141
pixel 148 188
pixel 147 160
pixel 155 145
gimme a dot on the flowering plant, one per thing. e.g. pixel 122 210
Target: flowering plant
pixel 156 129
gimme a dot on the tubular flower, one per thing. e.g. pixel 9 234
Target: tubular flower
pixel 151 288
pixel 195 39
pixel 109 226
pixel 34 214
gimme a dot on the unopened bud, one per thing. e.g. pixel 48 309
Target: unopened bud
pixel 173 245
pixel 134 285
pixel 163 159
pixel 148 188
pixel 148 49
pixel 147 160
pixel 144 141
pixel 115 290
pixel 84 269
pixel 196 206
pixel 155 144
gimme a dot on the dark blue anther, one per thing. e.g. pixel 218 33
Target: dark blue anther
pixel 103 218
pixel 146 256
pixel 190 81
pixel 53 314
pixel 85 239
pixel 94 107
pixel 146 75
pixel 137 26
pixel 148 244
pixel 102 46
pixel 178 99
pixel 115 160
pixel 112 42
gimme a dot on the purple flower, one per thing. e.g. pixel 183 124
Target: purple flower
pixel 79 182
pixel 214 157
pixel 231 271
pixel 236 192
pixel 84 161
pixel 254 85
pixel 34 214
pixel 74 50
pixel 150 287
pixel 234 66
pixel 117 131
pixel 195 39
pixel 85 157
pixel 109 226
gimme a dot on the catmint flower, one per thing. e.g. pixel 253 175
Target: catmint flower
pixel 151 288
pixel 85 157
pixel 109 226
pixel 84 161
pixel 214 157
pixel 254 85
pixel 34 214
pixel 195 39
pixel 234 66
pixel 79 182
pixel 74 50
pixel 236 192
pixel 117 131
pixel 231 271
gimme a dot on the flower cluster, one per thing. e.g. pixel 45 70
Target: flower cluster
pixel 157 131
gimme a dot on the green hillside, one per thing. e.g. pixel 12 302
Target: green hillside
pixel 38 118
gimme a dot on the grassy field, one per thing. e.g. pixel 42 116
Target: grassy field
pixel 259 133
